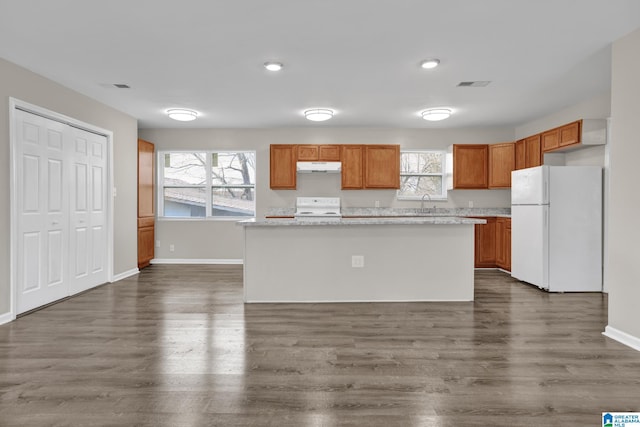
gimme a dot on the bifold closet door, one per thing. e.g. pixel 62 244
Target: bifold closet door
pixel 88 243
pixel 61 180
pixel 42 211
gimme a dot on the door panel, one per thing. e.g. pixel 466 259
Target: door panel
pixel 42 232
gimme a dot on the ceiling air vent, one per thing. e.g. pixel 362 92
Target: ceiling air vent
pixel 478 83
pixel 122 86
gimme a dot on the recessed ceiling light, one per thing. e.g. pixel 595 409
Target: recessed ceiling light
pixel 273 66
pixel 318 114
pixel 182 115
pixel 430 63
pixel 436 114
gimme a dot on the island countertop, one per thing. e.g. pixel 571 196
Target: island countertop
pixel 378 220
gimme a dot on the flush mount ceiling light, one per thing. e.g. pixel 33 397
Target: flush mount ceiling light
pixel 318 114
pixel 273 66
pixel 182 114
pixel 430 63
pixel 436 114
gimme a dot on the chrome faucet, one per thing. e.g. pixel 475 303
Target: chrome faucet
pixel 422 201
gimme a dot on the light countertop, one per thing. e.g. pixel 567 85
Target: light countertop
pixel 373 220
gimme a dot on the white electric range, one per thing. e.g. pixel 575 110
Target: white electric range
pixel 319 208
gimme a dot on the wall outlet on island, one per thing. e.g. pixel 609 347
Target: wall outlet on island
pixel 377 204
pixel 357 261
pixel 470 203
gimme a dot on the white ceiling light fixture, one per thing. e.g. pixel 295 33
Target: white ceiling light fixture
pixel 318 114
pixel 430 63
pixel 436 114
pixel 182 114
pixel 273 66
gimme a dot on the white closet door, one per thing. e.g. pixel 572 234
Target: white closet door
pixel 42 237
pixel 88 210
pixel 61 176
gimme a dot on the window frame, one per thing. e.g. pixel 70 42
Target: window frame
pixel 443 194
pixel 208 187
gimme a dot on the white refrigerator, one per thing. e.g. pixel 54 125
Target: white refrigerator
pixel 556 227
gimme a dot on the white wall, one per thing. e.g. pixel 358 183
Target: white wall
pixel 623 276
pixel 223 239
pixel 24 85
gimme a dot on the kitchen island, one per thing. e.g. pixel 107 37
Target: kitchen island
pixel 381 259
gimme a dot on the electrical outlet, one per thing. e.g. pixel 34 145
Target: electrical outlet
pixel 172 248
pixel 377 204
pixel 157 243
pixel 357 261
pixel 470 203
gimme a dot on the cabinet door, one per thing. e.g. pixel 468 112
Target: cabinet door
pixel 502 160
pixel 382 166
pixel 146 237
pixel 146 211
pixel 282 172
pixel 470 166
pixel 570 134
pixel 507 244
pixel 307 153
pixel 550 140
pixel 521 154
pixel 352 167
pixel 329 153
pixel 501 255
pixel 533 151
pixel 485 244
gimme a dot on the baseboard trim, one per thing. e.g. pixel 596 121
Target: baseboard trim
pixel 196 261
pixel 6 318
pixel 622 337
pixel 125 274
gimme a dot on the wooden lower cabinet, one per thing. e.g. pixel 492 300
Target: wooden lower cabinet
pixel 493 243
pixel 485 244
pixel 146 239
pixel 503 243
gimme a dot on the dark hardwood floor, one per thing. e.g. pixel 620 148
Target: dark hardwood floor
pixel 175 346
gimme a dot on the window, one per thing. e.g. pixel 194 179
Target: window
pixel 207 184
pixel 422 172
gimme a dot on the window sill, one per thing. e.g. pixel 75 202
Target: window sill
pixel 214 219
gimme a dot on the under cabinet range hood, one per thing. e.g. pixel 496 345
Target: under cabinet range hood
pixel 323 167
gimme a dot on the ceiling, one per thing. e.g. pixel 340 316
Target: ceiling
pixel 358 57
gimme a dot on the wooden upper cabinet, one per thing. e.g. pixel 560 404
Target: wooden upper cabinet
pixel 307 153
pixel 550 140
pixel 145 179
pixel 470 166
pixel 561 137
pixel 521 154
pixel 352 167
pixel 329 153
pixel 502 160
pixel 382 166
pixel 282 171
pixel 322 153
pixel 570 134
pixel 533 149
